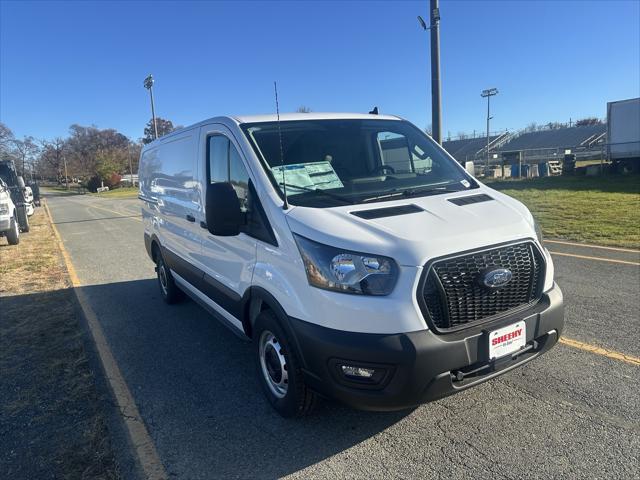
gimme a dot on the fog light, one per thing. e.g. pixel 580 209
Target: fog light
pixel 359 372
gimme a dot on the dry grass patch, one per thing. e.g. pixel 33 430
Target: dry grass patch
pixel 51 422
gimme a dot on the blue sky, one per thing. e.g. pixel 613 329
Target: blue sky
pixel 84 62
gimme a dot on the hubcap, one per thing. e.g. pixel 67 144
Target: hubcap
pixel 273 364
pixel 162 276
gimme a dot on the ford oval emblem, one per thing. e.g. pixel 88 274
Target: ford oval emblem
pixel 495 278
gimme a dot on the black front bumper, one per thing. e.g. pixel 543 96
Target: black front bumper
pixel 418 367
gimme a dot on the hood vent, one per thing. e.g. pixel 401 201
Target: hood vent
pixel 461 201
pixel 387 212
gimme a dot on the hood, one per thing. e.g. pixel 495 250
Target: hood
pixel 436 226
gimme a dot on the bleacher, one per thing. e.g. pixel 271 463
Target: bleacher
pixel 561 138
pixel 467 149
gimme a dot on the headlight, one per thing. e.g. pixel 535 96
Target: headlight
pixel 345 271
pixel 538 231
pixel 4 209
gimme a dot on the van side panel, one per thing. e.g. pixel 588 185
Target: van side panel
pixel 168 179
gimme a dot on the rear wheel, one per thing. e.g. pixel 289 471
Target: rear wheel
pixel 23 218
pixel 168 288
pixel 279 369
pixel 13 234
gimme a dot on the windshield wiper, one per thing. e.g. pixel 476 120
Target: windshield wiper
pixel 412 192
pixel 335 196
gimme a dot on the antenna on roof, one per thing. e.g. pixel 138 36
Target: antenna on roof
pixel 374 111
pixel 284 179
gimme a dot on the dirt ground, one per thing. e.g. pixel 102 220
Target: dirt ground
pixel 51 419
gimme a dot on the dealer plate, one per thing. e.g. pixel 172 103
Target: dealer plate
pixel 507 340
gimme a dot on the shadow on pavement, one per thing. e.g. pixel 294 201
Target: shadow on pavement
pixel 195 385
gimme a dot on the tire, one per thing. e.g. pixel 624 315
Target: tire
pixel 23 218
pixel 279 370
pixel 13 234
pixel 168 289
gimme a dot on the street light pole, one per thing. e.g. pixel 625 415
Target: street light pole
pixel 436 104
pixel 148 84
pixel 490 92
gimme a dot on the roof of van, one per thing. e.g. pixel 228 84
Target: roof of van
pixel 272 117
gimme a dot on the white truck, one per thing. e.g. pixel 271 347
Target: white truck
pixel 623 134
pixel 8 216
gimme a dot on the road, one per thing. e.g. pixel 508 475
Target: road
pixel 571 413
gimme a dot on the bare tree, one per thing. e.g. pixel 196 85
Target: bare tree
pixel 50 163
pixel 6 138
pixel 25 152
pixel 588 121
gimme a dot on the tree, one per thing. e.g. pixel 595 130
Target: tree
pixel 6 138
pixel 588 121
pixel 50 163
pixel 164 127
pixel 303 109
pixel 25 152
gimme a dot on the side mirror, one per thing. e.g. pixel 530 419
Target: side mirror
pixel 20 182
pixel 223 213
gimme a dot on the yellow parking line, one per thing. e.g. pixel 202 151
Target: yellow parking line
pixel 144 447
pixel 585 245
pixel 630 359
pixel 599 259
pixel 117 213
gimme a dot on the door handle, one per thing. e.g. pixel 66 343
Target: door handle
pixel 191 218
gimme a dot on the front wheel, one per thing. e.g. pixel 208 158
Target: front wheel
pixel 13 234
pixel 279 370
pixel 23 218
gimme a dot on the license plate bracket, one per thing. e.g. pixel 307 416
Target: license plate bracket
pixel 507 340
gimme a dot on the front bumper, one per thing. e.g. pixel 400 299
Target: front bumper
pixel 418 367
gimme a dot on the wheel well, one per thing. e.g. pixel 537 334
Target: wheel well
pixel 260 300
pixel 155 250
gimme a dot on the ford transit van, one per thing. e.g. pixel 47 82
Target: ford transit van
pixel 363 262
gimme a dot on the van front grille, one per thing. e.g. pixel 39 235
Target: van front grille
pixel 454 294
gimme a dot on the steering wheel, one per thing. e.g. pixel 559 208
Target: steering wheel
pixel 382 168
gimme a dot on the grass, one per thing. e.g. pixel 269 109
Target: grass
pixel 124 192
pixel 598 210
pixel 52 422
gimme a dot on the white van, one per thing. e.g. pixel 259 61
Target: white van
pixel 363 262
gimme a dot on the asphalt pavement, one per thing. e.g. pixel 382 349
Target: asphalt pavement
pixel 571 413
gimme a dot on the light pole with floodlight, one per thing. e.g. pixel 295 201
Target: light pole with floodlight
pixel 148 84
pixel 490 92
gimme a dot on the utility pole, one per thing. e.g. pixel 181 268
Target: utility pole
pixel 130 165
pixel 148 84
pixel 436 104
pixel 66 177
pixel 490 92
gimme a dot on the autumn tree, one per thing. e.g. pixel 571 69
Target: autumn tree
pixel 164 127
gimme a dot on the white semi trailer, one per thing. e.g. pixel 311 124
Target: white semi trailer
pixel 623 134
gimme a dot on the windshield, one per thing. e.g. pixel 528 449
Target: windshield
pixel 338 162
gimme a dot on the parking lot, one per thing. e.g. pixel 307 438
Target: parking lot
pixel 573 413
